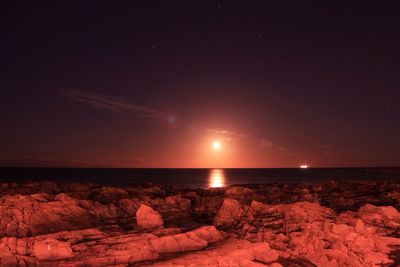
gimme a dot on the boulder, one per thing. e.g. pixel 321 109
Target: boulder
pixel 230 212
pixel 41 224
pixel 188 241
pixel 148 218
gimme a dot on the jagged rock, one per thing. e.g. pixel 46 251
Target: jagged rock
pixel 292 217
pixel 177 203
pixel 206 207
pixel 242 194
pixel 387 212
pixel 331 243
pixel 230 212
pixel 12 251
pixel 172 207
pixel 146 217
pixel 351 195
pixel 261 222
pixel 128 207
pixel 108 195
pixel 92 247
pixel 385 220
pixel 25 215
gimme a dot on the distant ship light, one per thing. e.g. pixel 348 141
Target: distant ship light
pixel 304 166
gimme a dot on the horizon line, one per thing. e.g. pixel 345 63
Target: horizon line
pixel 206 168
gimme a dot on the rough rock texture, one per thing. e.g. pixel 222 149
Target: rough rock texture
pixel 308 231
pixel 232 253
pixel 230 212
pixel 148 218
pixel 72 224
pixel 103 247
pixel 27 215
pixel 386 220
pixel 108 195
pixel 51 249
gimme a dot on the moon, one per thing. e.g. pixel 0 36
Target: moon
pixel 216 145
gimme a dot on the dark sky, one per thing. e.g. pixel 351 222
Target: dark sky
pixel 155 83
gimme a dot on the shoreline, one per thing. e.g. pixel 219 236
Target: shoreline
pixel 279 224
pixel 197 178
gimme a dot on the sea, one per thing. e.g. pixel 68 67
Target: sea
pixel 196 178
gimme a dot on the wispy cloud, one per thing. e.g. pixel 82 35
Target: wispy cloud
pixel 234 135
pixel 265 143
pixel 229 135
pixel 115 104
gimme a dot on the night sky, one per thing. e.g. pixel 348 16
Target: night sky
pixel 156 83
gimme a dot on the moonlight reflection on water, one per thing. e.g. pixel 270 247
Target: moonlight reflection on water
pixel 216 178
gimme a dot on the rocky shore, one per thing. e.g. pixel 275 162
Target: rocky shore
pixel 80 224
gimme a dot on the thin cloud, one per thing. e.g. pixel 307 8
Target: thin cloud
pixel 265 143
pixel 114 104
pixel 233 136
pixel 229 135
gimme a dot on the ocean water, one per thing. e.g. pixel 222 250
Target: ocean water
pixel 196 178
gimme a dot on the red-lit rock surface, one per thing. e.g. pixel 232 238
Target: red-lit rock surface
pixel 331 224
pixel 148 218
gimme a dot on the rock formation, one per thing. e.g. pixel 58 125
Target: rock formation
pixel 148 218
pixel 61 224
